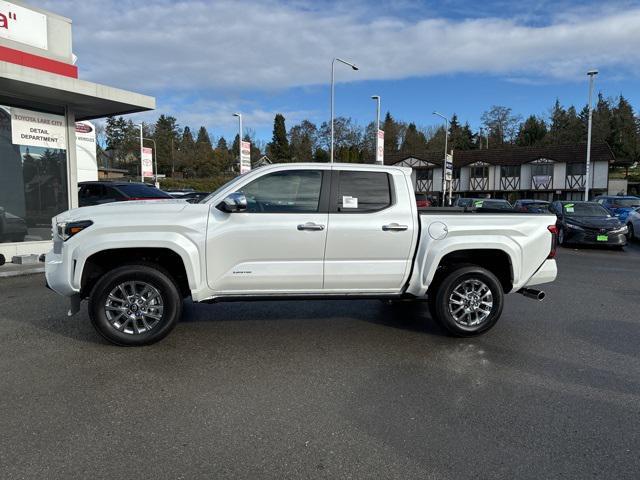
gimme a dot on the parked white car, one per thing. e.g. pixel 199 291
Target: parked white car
pixel 633 225
pixel 296 231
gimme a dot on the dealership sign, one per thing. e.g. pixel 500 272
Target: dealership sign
pixel 380 147
pixel 23 25
pixel 147 162
pixel 37 129
pixel 245 157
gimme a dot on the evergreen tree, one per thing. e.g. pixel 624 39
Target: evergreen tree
pixel 278 149
pixel 625 131
pixel 460 137
pixel 414 141
pixel 532 132
pixel 203 138
pixel 391 135
pixel 167 137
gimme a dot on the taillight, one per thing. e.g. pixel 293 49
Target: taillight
pixel 554 240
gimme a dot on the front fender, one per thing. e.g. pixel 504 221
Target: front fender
pixel 181 245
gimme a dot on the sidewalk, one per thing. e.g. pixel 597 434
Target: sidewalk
pixel 14 270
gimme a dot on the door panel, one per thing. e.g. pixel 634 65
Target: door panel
pixel 277 245
pixel 368 247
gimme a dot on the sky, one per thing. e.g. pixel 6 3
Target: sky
pixel 203 60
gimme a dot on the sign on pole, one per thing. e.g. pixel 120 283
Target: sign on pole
pixel 449 167
pixel 147 162
pixel 245 157
pixel 380 147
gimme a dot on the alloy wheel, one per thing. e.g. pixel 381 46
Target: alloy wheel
pixel 134 307
pixel 470 303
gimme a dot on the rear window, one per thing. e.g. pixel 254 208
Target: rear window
pixel 142 191
pixel 362 192
pixel 500 204
pixel 625 202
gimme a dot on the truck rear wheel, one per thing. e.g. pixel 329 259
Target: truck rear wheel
pixel 468 301
pixel 135 305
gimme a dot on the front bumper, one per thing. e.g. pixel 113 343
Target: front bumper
pixel 591 238
pixel 59 271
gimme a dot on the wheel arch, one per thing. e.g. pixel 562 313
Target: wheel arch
pixel 166 259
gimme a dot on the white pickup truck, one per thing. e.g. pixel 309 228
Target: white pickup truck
pixel 295 231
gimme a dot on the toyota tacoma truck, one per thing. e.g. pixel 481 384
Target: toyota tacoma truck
pixel 296 231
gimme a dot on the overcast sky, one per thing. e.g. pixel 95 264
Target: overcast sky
pixel 204 60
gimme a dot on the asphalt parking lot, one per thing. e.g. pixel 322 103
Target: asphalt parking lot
pixel 331 389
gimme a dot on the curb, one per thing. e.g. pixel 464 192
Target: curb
pixel 19 273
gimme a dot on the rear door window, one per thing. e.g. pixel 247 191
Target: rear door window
pixel 361 192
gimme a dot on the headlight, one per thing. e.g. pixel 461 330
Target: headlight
pixel 574 227
pixel 66 230
pixel 623 229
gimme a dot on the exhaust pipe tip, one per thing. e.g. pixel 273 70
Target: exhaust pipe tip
pixel 532 293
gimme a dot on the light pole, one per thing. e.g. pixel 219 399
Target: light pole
pixel 333 64
pixel 155 159
pixel 239 115
pixel 375 137
pixel 444 162
pixel 591 74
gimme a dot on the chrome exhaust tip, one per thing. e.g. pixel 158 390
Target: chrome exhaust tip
pixel 532 293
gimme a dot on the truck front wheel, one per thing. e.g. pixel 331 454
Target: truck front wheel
pixel 135 305
pixel 468 301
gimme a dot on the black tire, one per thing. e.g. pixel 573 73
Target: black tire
pixel 441 303
pixel 156 277
pixel 630 233
pixel 561 235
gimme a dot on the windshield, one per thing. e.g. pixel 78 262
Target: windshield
pixel 584 210
pixel 626 202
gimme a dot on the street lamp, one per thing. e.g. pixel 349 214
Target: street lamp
pixel 239 115
pixel 333 64
pixel 444 163
pixel 375 137
pixel 591 74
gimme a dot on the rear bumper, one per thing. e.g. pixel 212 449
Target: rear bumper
pixel 546 273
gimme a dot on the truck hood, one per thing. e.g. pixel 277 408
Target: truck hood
pixel 136 208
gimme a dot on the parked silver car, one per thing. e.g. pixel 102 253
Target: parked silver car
pixel 633 225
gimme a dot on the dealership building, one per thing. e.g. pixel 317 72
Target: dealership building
pixel 47 140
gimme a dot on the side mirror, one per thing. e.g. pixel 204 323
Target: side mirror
pixel 233 203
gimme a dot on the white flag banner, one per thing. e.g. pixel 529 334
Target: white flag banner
pixel 245 157
pixel 147 162
pixel 380 147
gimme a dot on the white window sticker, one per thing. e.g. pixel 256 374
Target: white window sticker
pixel 349 202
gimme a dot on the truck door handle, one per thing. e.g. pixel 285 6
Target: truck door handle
pixel 310 226
pixel 394 227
